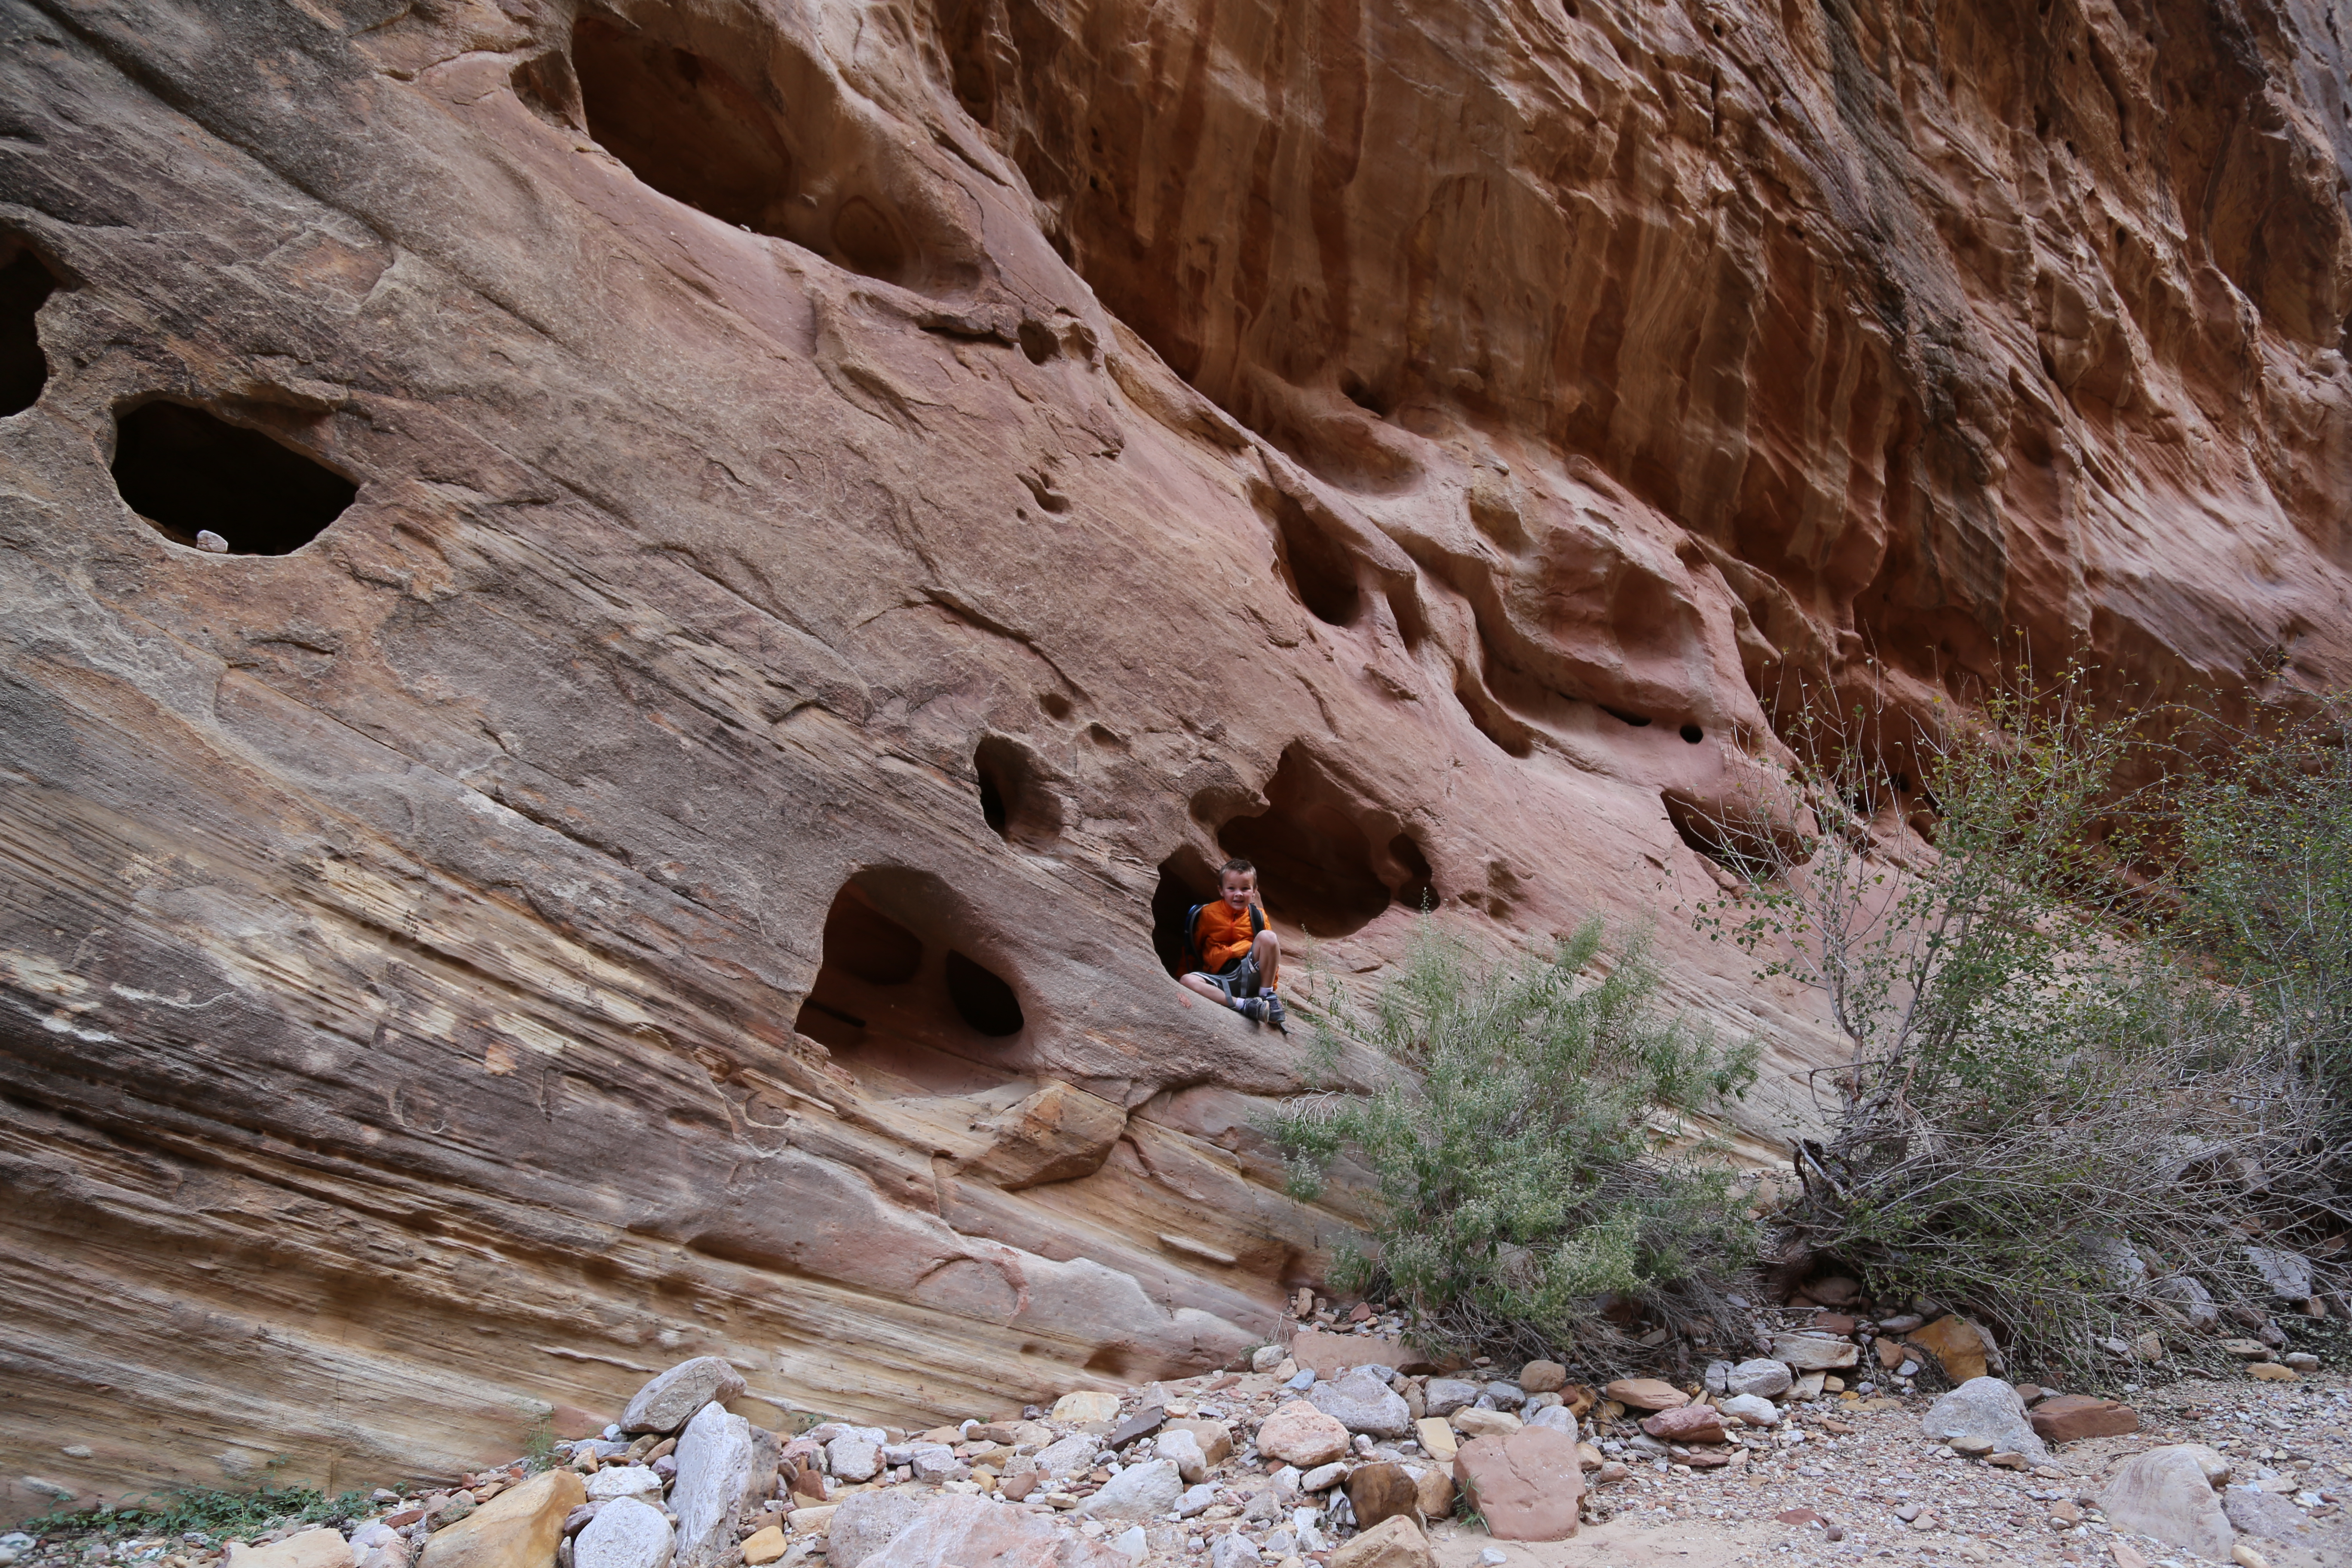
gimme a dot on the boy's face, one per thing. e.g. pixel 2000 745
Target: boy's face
pixel 1239 888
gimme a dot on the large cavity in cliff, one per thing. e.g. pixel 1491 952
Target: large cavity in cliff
pixel 898 994
pixel 188 472
pixel 25 286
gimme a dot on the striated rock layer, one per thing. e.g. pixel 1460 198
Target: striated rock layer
pixel 769 548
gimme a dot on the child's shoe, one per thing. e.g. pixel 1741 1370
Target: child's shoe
pixel 1274 1012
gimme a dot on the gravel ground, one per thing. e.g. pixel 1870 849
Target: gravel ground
pixel 1862 1459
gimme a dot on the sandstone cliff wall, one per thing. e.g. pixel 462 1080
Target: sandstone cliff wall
pixel 835 516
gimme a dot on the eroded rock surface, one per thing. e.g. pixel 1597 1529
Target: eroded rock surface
pixel 769 550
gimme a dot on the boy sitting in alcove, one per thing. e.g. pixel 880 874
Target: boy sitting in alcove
pixel 1237 960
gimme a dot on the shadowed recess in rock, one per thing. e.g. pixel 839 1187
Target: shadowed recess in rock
pixel 685 125
pixel 1185 879
pixel 1020 806
pixel 186 472
pixel 1318 567
pixel 982 998
pixel 896 995
pixel 25 287
pixel 1314 859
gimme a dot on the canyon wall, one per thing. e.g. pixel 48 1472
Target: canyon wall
pixel 768 548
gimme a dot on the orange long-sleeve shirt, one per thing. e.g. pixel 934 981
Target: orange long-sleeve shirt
pixel 1223 935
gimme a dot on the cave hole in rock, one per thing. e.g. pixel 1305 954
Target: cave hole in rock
pixel 898 997
pixel 1314 859
pixel 982 998
pixel 1318 568
pixel 684 124
pixel 25 287
pixel 189 472
pixel 1693 735
pixel 1186 879
pixel 1638 721
pixel 1418 891
pixel 1753 849
pixel 1016 798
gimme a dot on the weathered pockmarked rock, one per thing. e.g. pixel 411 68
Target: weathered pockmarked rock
pixel 738 532
pixel 715 1475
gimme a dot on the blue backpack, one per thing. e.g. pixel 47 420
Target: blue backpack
pixel 1192 961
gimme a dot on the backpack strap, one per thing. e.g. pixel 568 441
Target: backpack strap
pixel 1257 921
pixel 1193 939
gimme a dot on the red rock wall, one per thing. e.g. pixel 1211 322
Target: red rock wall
pixel 858 507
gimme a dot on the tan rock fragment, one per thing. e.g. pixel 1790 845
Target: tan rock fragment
pixel 1646 1394
pixel 516 1528
pixel 1056 1134
pixel 1525 1485
pixel 1395 1542
pixel 321 1548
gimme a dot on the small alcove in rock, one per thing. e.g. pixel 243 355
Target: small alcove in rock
pixel 1185 879
pixel 1016 798
pixel 1316 864
pixel 25 287
pixel 685 124
pixel 899 997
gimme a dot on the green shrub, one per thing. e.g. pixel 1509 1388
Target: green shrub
pixel 1532 1163
pixel 2086 1028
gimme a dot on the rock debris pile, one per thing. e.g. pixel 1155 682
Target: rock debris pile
pixel 1351 1450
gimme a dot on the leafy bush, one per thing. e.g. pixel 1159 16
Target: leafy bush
pixel 1517 1180
pixel 2055 1110
pixel 208 1511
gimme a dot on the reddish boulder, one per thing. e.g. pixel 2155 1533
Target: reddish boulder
pixel 1525 1485
pixel 1691 1424
pixel 2068 1416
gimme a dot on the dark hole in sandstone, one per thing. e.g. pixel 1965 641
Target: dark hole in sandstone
pixel 1320 570
pixel 1016 799
pixel 1694 734
pixel 1037 342
pixel 188 472
pixel 1056 705
pixel 1315 864
pixel 1751 848
pixel 25 286
pixel 1185 879
pixel 548 89
pixel 981 998
pixel 868 943
pixel 684 124
pixel 893 990
pixel 868 240
pixel 1418 890
pixel 1638 721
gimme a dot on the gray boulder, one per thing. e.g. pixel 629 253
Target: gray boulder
pixel 1235 1550
pixel 623 1481
pixel 714 1481
pixel 2270 1518
pixel 952 1529
pixel 1753 1409
pixel 1362 1401
pixel 1069 1454
pixel 853 1458
pixel 2190 1297
pixel 1138 1492
pixel 2166 1493
pixel 670 1400
pixel 1555 1417
pixel 628 1533
pixel 1986 1409
pixel 1506 1396
pixel 2288 1274
pixel 1763 1376
pixel 1444 1395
